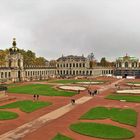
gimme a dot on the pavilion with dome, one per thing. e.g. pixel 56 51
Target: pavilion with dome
pixel 127 66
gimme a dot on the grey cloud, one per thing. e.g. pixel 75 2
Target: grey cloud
pixel 51 28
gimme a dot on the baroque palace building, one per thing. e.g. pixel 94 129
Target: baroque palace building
pixel 79 66
pixel 65 66
pixel 15 71
pixel 127 66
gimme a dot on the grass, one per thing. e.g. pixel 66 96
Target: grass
pixel 128 98
pixel 41 89
pixel 102 130
pixel 26 105
pixel 74 81
pixel 61 137
pixel 6 115
pixel 125 116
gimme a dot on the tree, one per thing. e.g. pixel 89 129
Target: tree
pixel 30 59
pixel 40 61
pixel 3 54
pixel 91 57
pixel 92 64
pixel 103 62
pixel 52 63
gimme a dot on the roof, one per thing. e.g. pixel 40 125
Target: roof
pixel 72 57
pixel 129 58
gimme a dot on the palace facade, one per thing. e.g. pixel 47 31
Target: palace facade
pixel 79 66
pixel 15 71
pixel 127 66
pixel 65 66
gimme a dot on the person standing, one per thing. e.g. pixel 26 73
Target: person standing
pixel 37 96
pixel 34 96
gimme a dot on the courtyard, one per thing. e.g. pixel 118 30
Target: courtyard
pixel 52 115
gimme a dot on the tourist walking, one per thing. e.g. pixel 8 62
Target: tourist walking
pixel 89 92
pixel 34 96
pixel 72 101
pixel 37 96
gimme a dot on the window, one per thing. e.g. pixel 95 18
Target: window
pixel 126 64
pixel 18 62
pixel 1 74
pixel 120 64
pixel 9 74
pixel 5 74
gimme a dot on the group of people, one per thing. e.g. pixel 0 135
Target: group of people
pixel 93 92
pixel 35 97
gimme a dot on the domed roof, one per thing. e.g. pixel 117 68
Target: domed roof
pixel 14 49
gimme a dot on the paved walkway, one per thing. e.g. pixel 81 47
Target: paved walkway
pixel 27 128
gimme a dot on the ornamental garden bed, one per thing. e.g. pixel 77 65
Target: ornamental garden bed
pixel 104 131
pixel 129 91
pixel 26 105
pixel 78 81
pixel 73 88
pixel 7 115
pixel 127 98
pixel 61 137
pixel 40 89
pixel 125 116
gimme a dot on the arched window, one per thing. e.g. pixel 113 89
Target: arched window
pixel 18 62
pixel 126 64
pixel 120 64
pixel 133 64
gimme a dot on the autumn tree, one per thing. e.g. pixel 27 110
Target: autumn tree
pixel 92 61
pixel 3 54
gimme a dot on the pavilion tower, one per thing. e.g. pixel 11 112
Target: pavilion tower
pixel 14 61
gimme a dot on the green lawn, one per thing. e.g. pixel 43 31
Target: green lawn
pixel 73 81
pixel 61 137
pixel 128 98
pixel 41 89
pixel 102 131
pixel 125 116
pixel 6 115
pixel 26 105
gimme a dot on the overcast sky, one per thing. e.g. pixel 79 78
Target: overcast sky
pixel 50 28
